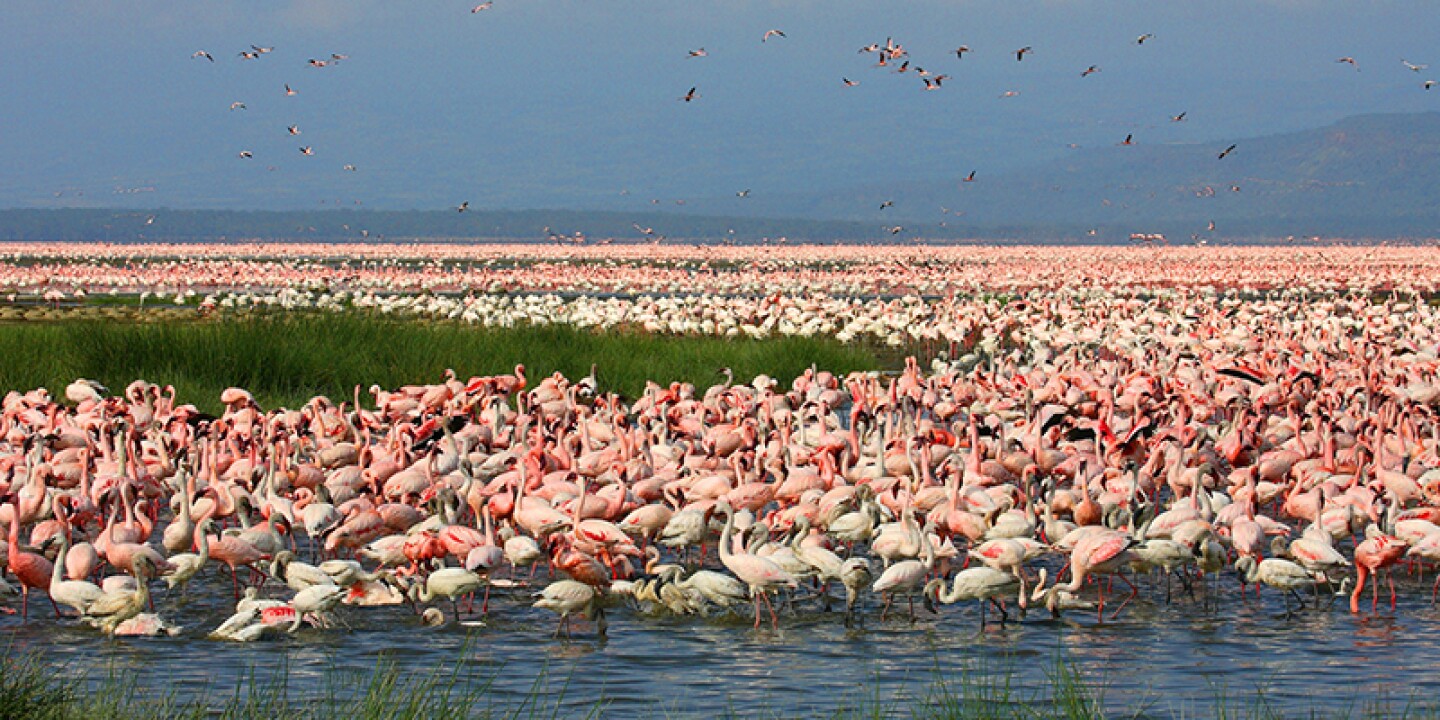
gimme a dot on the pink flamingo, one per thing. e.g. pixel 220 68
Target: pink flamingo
pixel 33 571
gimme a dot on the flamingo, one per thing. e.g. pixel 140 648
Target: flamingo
pixel 111 609
pixel 32 570
pixel 987 585
pixel 1376 552
pixel 1103 552
pixel 568 597
pixel 759 574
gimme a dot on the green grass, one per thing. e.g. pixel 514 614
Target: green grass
pixel 286 358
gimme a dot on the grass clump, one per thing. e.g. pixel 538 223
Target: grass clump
pixel 287 358
pixel 31 689
pixel 28 691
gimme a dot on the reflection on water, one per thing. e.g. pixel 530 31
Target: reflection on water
pixel 1168 660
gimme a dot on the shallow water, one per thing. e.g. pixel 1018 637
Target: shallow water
pixel 1164 660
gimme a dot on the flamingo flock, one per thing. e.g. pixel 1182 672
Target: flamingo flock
pixel 899 297
pixel 1085 449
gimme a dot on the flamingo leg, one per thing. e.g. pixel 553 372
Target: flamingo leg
pixel 1101 614
pixel 774 622
pixel 1361 573
pixel 1390 580
pixel 1133 592
pixel 1375 591
pixel 1299 600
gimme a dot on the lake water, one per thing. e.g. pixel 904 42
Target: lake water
pixel 1167 660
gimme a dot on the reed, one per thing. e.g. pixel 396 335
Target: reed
pixel 285 358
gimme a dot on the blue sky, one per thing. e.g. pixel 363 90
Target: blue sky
pixel 574 103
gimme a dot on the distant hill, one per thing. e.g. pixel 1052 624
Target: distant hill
pixel 1369 175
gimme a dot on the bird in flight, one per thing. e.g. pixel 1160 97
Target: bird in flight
pixel 481 6
pixel 349 167
pixel 1129 140
pixel 887 203
pixel 463 206
pixel 246 154
pixel 202 53
pixel 1141 40
pixel 769 33
pixel 1211 227
pixel 261 50
pixel 1022 52
pixel 289 91
pixel 1009 94
pixel 1178 118
pixel 1087 72
pixel 895 230
pixel 306 150
pixel 1413 67
pixel 698 53
pixel 960 51
pixel 934 83
pixel 743 193
pixel 237 105
pixel 848 82
pixel 337 57
pixel 687 97
pixel 1350 60
pixel 317 63
pixel 872 47
pixel 247 55
pixel 294 129
pixel 970 177
pixel 1226 151
pixel 1429 84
